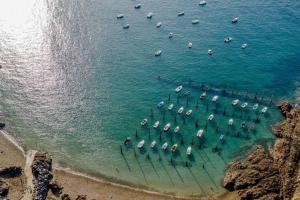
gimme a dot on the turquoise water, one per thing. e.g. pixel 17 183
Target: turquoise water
pixel 74 83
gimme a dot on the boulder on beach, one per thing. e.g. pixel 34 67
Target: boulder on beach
pixel 10 172
pixel 4 188
pixel 2 125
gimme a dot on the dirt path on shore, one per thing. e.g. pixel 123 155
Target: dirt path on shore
pixel 27 171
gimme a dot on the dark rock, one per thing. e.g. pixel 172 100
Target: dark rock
pixel 55 188
pixel 4 188
pixel 285 108
pixel 81 197
pixel 2 125
pixel 65 197
pixel 42 172
pixel 10 172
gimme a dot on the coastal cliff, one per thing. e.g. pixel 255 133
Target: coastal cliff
pixel 270 173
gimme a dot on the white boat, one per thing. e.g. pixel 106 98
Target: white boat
pixel 190 45
pixel 144 122
pixel 203 95
pixel 171 35
pixel 164 146
pixel 140 144
pixel 189 112
pixel 158 53
pixel 200 133
pixel 177 129
pixel 210 117
pixel 156 124
pixel 202 3
pixel 180 110
pixel 195 21
pixel 244 105
pixel 228 39
pixel 178 89
pixel 235 102
pixel 221 138
pixel 171 106
pixel 153 143
pixel 120 16
pixel 138 6
pixel 189 151
pixel 255 106
pixel 160 104
pixel 158 25
pixel 149 16
pixel 210 52
pixel 230 122
pixel 180 14
pixel 244 46
pixel 126 26
pixel 174 148
pixel 264 110
pixel 235 20
pixel 167 127
pixel 215 98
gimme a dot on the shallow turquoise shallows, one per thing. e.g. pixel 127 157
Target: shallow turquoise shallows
pixel 74 82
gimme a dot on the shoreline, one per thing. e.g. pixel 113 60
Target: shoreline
pixel 67 176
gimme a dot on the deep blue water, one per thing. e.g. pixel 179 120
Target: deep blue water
pixel 76 84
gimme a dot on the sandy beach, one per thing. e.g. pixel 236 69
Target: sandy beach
pixel 79 184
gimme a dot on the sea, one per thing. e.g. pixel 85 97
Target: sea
pixel 75 83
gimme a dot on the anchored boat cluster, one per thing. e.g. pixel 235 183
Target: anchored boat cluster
pixel 149 16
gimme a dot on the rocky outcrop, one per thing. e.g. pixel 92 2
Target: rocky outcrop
pixel 65 197
pixel 42 172
pixel 2 125
pixel 10 172
pixel 4 188
pixel 270 174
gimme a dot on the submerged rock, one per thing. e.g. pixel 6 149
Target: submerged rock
pixel 270 174
pixel 4 188
pixel 2 125
pixel 10 172
pixel 56 189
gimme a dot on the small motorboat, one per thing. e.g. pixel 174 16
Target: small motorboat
pixel 215 98
pixel 140 144
pixel 202 3
pixel 210 117
pixel 255 106
pixel 171 106
pixel 200 133
pixel 177 129
pixel 210 52
pixel 156 124
pixel 243 125
pixel 235 20
pixel 144 122
pixel 187 93
pixel 189 112
pixel 160 104
pixel 180 14
pixel 189 151
pixel 150 15
pixel 190 45
pixel 221 138
pixel 171 35
pixel 138 6
pixel 158 53
pixel 203 95
pixel 164 146
pixel 128 139
pixel 228 39
pixel 264 110
pixel 126 26
pixel 120 16
pixel 230 122
pixel 235 102
pixel 178 89
pixel 195 21
pixel 180 110
pixel 167 127
pixel 174 148
pixel 153 143
pixel 244 46
pixel 158 25
pixel 244 105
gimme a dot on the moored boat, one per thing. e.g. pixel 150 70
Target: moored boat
pixel 189 151
pixel 228 39
pixel 167 127
pixel 203 95
pixel 264 110
pixel 140 144
pixel 171 106
pixel 202 3
pixel 195 21
pixel 138 6
pixel 174 148
pixel 210 117
pixel 230 122
pixel 164 146
pixel 158 53
pixel 126 26
pixel 215 98
pixel 149 16
pixel 200 133
pixel 171 35
pixel 244 105
pixel 255 106
pixel 190 45
pixel 158 25
pixel 221 138
pixel 235 20
pixel 243 125
pixel 176 129
pixel 144 122
pixel 180 14
pixel 189 112
pixel 128 139
pixel 178 89
pixel 210 52
pixel 244 46
pixel 120 16
pixel 156 124
pixel 180 110
pixel 153 144
pixel 160 104
pixel 235 102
